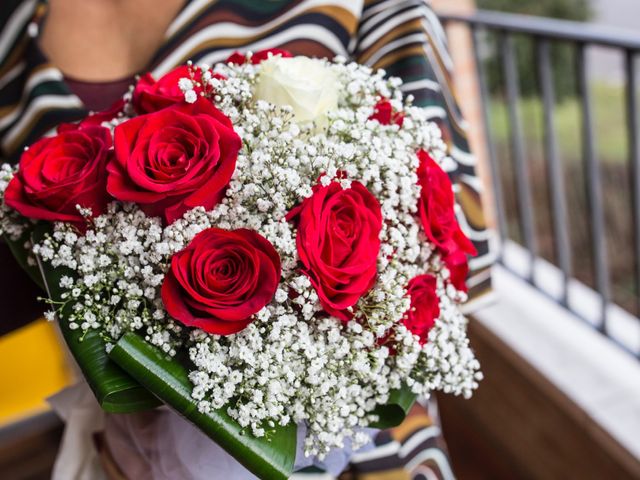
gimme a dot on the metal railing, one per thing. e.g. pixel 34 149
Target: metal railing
pixel 543 34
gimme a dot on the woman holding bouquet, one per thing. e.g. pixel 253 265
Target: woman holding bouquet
pixel 63 58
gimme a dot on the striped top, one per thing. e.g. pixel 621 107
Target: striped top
pixel 402 36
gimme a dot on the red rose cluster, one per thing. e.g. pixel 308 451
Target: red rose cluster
pixel 175 156
pixel 169 159
pixel 437 214
pixel 436 209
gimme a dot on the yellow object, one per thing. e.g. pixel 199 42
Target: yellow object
pixel 33 366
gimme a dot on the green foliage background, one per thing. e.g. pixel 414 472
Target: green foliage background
pixel 562 54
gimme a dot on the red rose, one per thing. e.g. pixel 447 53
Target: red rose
pixel 57 173
pixel 458 267
pixel 96 118
pixel 383 112
pixel 238 58
pixel 107 115
pixel 338 243
pixel 174 160
pixel 221 279
pixel 436 208
pixel 425 307
pixel 151 95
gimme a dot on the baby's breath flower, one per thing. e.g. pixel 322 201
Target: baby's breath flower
pixel 291 364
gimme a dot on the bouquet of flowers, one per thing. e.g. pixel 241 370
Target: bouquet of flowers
pixel 263 245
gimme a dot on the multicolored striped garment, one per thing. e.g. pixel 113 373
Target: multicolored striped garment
pixel 414 450
pixel 402 36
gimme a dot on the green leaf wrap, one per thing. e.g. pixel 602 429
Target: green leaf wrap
pixel 396 409
pixel 269 458
pixel 115 391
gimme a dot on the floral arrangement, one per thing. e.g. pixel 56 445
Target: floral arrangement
pixel 281 231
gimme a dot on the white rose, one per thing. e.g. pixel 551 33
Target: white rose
pixel 308 85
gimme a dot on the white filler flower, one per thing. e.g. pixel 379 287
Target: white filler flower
pixel 290 364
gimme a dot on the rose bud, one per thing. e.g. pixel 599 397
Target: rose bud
pixel 425 306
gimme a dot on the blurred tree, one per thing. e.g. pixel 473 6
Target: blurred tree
pixel 567 9
pixel 562 55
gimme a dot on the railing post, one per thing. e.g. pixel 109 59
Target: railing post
pixel 594 189
pixel 525 202
pixel 634 160
pixel 555 174
pixel 496 180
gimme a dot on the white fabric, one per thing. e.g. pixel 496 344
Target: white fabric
pixel 160 445
pixel 77 458
pixel 153 445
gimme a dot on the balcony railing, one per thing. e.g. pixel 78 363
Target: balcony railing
pixel 595 305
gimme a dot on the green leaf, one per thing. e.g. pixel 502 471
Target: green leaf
pixel 396 409
pixel 118 392
pixel 268 458
pixel 114 389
